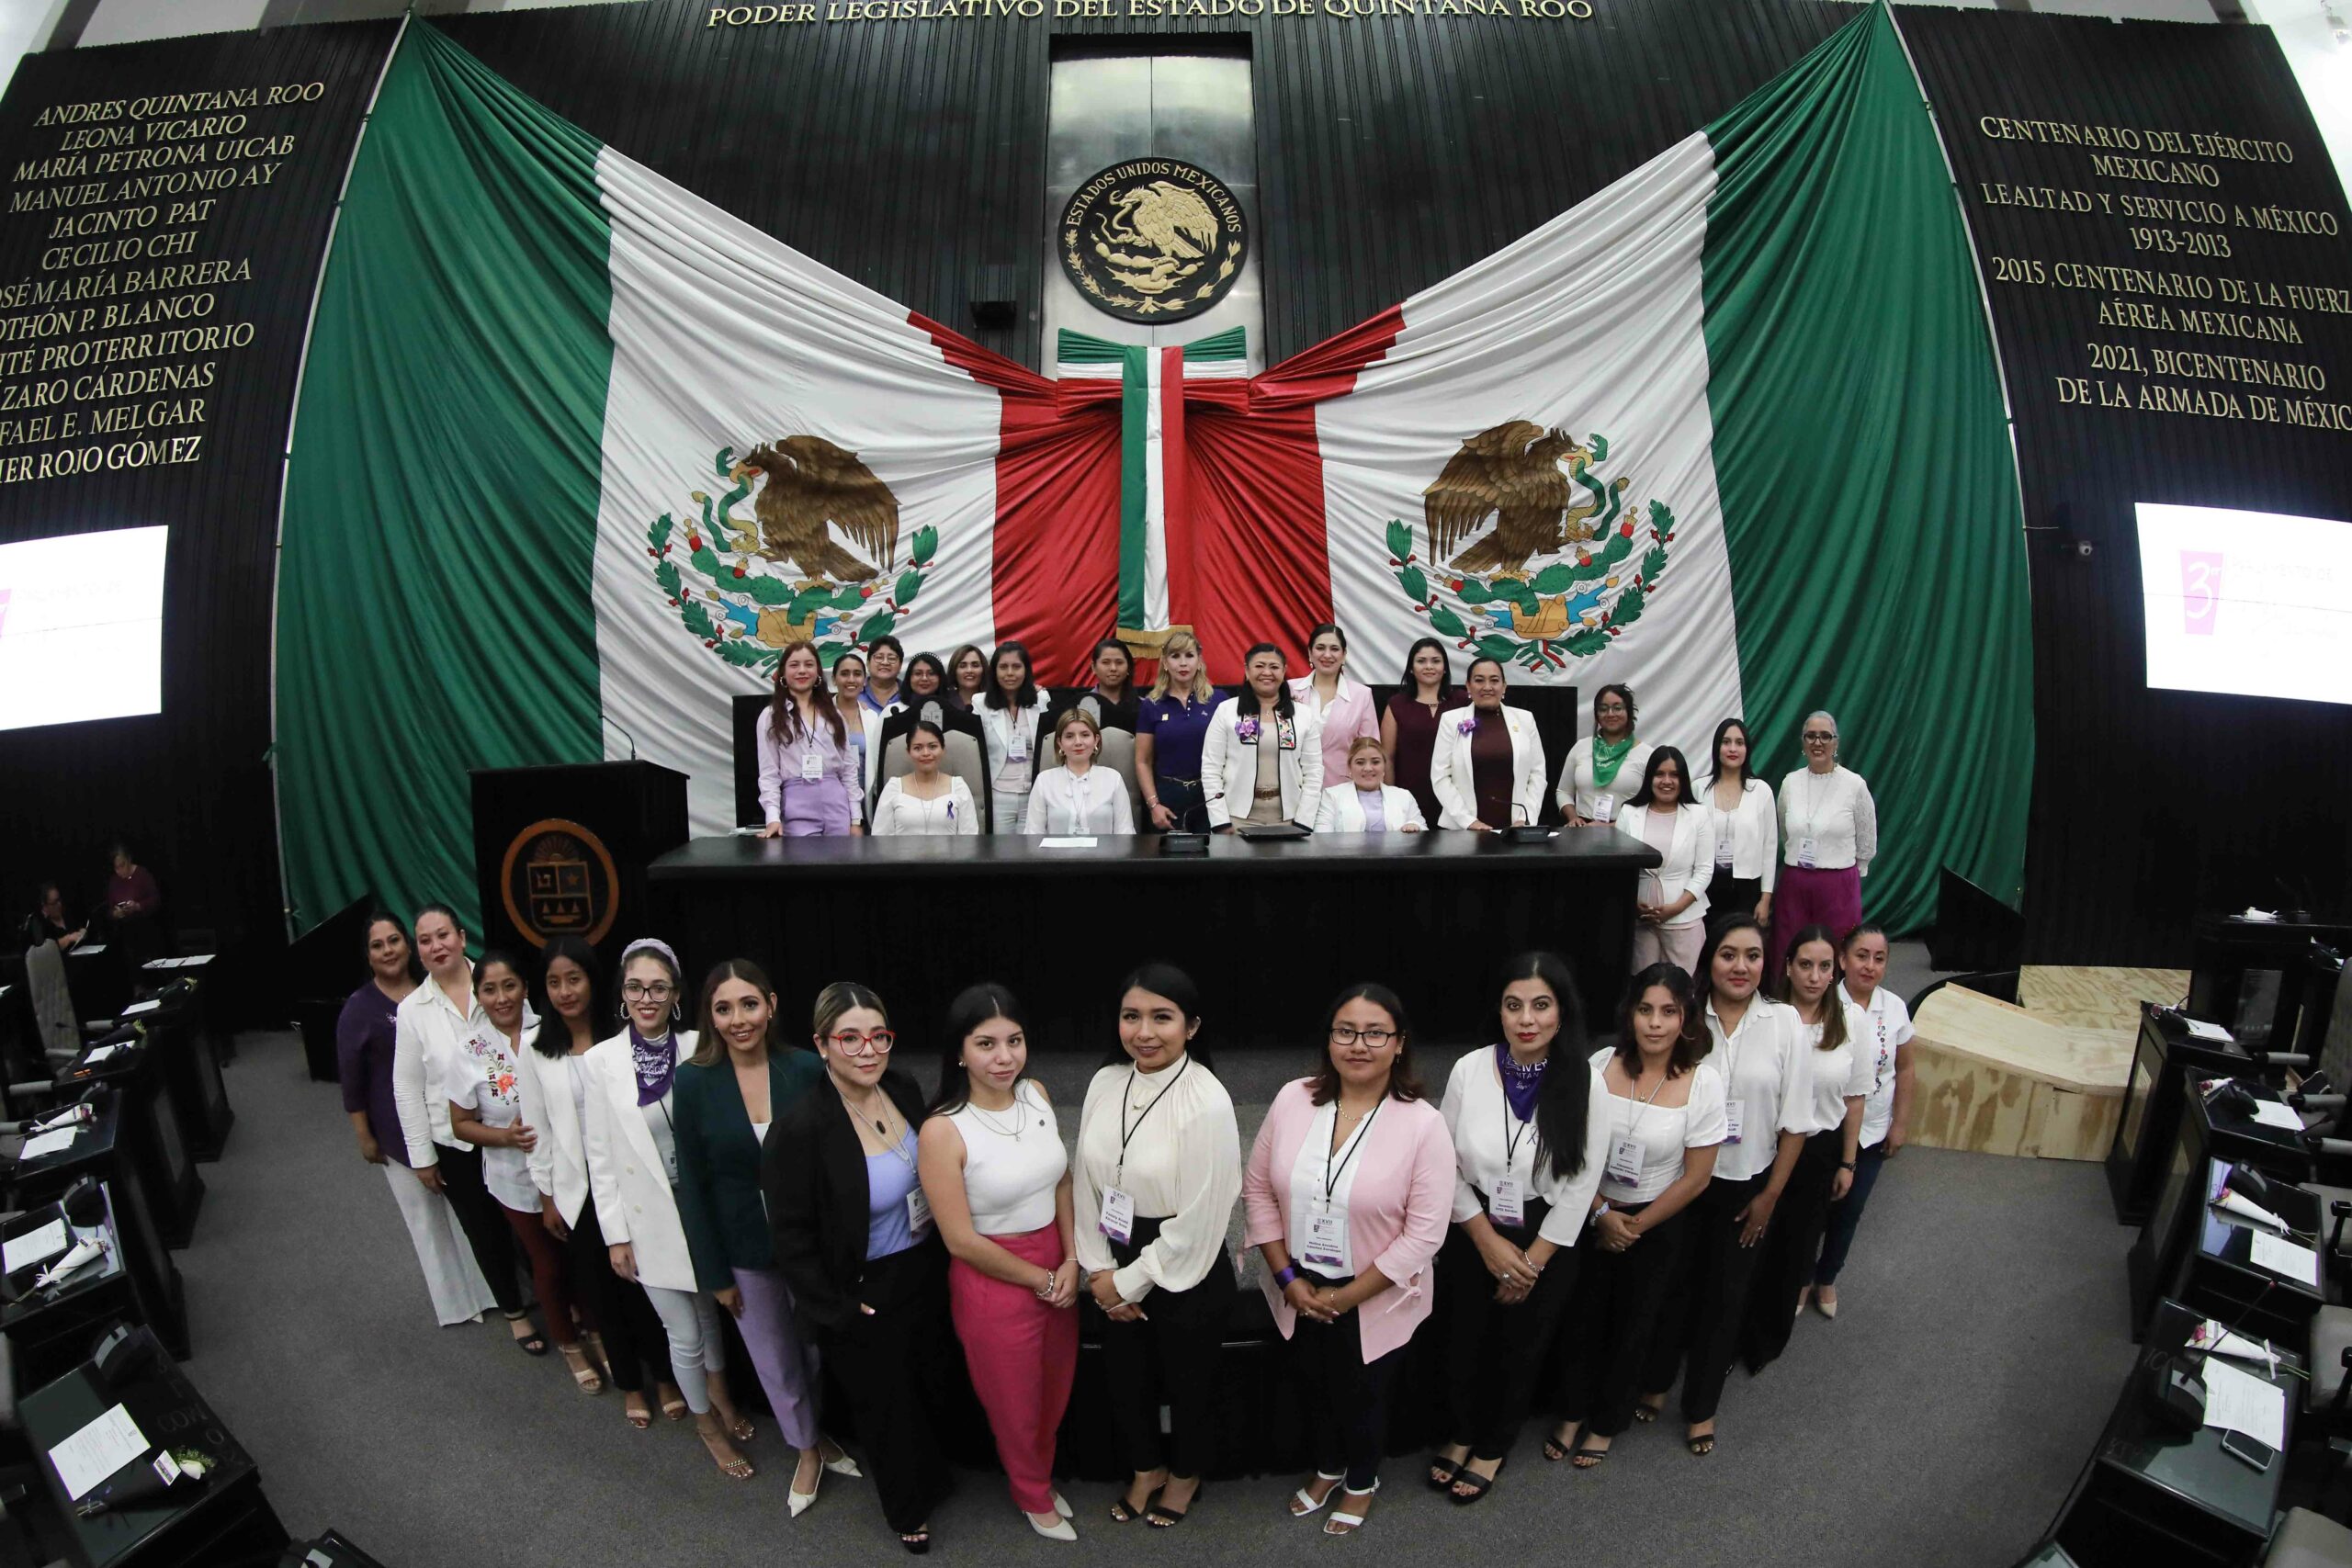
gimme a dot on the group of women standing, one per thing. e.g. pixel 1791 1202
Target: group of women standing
pixel 1589 1223
pixel 1311 751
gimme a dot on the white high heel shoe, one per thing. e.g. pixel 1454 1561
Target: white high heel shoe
pixel 1059 1529
pixel 799 1502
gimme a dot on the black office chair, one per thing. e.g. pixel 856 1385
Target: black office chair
pixel 2308 1539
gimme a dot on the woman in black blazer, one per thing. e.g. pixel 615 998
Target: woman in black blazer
pixel 854 1241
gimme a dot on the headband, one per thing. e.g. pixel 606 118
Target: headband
pixel 652 944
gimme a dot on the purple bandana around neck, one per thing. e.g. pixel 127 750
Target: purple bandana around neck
pixel 656 1062
pixel 1521 1083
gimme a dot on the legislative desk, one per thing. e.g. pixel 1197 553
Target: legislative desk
pixel 2153 1495
pixel 2207 1131
pixel 2219 1277
pixel 152 1134
pixel 51 1328
pixel 223 1522
pixel 1269 931
pixel 2164 1058
pixel 97 1153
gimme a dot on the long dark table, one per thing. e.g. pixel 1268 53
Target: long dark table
pixel 1269 931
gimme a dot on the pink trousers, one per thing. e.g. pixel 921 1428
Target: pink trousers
pixel 1802 897
pixel 1023 1354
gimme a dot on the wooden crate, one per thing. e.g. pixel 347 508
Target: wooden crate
pixel 1994 1078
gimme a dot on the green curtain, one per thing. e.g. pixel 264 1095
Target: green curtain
pixel 1862 454
pixel 434 610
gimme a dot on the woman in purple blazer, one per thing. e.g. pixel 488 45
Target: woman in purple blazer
pixel 1348 1194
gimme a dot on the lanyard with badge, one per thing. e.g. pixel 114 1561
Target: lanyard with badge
pixel 1812 817
pixel 1014 774
pixel 1118 1218
pixel 1734 1104
pixel 1326 1216
pixel 1507 1204
pixel 917 1206
pixel 1625 1158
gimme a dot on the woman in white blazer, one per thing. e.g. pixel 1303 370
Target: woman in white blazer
pixel 1009 727
pixel 632 1156
pixel 1361 802
pixel 1081 797
pixel 1262 760
pixel 622 1332
pixel 1670 912
pixel 1473 783
pixel 864 720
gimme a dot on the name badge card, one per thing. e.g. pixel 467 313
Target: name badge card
pixel 1605 810
pixel 812 766
pixel 1625 1161
pixel 1723 852
pixel 1327 1239
pixel 1734 1117
pixel 1804 853
pixel 1118 1221
pixel 1507 1204
pixel 918 1211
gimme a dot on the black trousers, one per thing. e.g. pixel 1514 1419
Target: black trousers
pixel 1610 1318
pixel 894 1366
pixel 1698 1331
pixel 1344 1397
pixel 1170 1357
pixel 634 1341
pixel 1186 799
pixel 1729 895
pixel 483 1219
pixel 1789 1249
pixel 1494 1353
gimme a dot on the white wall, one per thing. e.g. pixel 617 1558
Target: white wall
pixel 24 26
pixel 2323 64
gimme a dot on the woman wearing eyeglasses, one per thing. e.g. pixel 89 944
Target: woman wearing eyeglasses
pixel 1158 1166
pixel 1828 837
pixel 1348 1191
pixel 630 1127
pixel 1606 766
pixel 856 1242
pixel 1529 1147
pixel 998 1182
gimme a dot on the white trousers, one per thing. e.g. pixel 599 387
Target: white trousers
pixel 698 1348
pixel 1009 811
pixel 460 1292
pixel 1678 945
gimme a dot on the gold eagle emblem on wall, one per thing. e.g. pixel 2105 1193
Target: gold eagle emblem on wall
pixel 1152 240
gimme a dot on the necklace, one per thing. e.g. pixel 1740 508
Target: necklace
pixel 858 1112
pixel 1020 1121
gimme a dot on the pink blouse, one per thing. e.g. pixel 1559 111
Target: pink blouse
pixel 1401 1203
pixel 1349 716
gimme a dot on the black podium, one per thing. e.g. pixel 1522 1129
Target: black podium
pixel 2166 1054
pixel 562 851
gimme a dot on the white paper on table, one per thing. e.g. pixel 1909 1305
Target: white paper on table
pixel 100 1448
pixel 2200 1030
pixel 88 950
pixel 48 1144
pixel 2271 1113
pixel 33 1246
pixel 2240 1401
pixel 2289 1260
pixel 135 1008
pixel 1067 843
pixel 101 1053
pixel 2217 1340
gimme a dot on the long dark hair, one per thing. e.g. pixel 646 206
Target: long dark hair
pixel 554 1037
pixel 709 1049
pixel 1164 979
pixel 1127 691
pixel 1323 1087
pixel 1623 690
pixel 941 693
pixel 513 966
pixel 1564 1098
pixel 378 916
pixel 1833 1006
pixel 1658 759
pixel 973 1005
pixel 1411 684
pixel 1026 696
pixel 1703 978
pixel 948 688
pixel 1245 696
pixel 1715 753
pixel 1689 1047
pixel 783 713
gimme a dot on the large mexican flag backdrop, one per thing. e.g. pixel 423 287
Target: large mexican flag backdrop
pixel 577 452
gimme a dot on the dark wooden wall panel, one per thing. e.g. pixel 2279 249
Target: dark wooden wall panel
pixel 191 786
pixel 2148 805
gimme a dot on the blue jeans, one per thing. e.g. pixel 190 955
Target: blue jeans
pixel 1845 1216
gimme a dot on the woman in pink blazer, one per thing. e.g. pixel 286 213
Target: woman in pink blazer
pixel 1338 701
pixel 1348 1194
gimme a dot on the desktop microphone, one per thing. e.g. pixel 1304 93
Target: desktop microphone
pixel 625 735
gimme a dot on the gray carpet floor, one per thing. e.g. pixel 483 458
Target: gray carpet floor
pixel 1940 1420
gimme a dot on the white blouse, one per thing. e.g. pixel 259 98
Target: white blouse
pixel 1764 1073
pixel 1010 736
pixel 898 814
pixel 1665 1131
pixel 1879 1046
pixel 1012 1161
pixel 1589 798
pixel 1834 815
pixel 1063 801
pixel 1182 1166
pixel 1835 1077
pixel 485 1079
pixel 1489 1144
pixel 1323 1174
pixel 1748 837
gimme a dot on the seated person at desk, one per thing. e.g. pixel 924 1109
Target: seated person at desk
pixel 1078 797
pixel 47 922
pixel 1363 803
pixel 926 802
